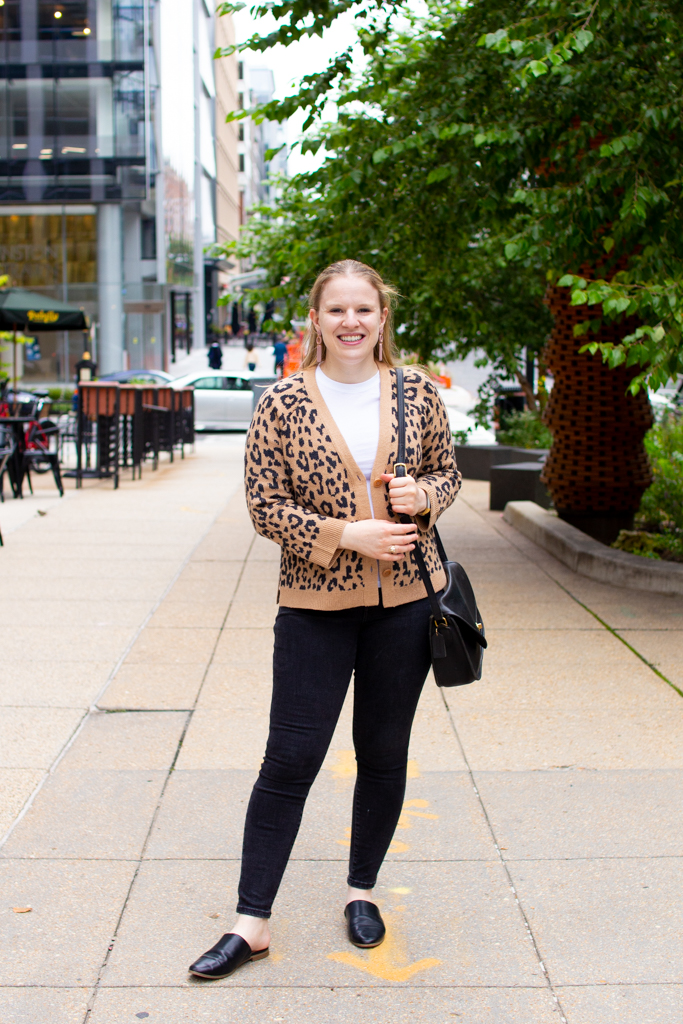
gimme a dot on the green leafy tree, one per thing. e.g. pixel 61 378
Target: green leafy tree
pixel 489 147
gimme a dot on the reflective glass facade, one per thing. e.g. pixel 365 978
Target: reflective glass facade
pixel 49 249
pixel 74 121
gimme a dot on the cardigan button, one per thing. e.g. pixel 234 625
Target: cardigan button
pixel 386 572
pixel 377 482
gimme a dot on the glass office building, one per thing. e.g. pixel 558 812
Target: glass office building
pixel 78 161
pixel 75 103
pixel 86 213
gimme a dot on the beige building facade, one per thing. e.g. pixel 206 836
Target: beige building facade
pixel 227 100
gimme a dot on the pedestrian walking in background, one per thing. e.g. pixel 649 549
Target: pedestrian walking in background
pixel 215 356
pixel 320 482
pixel 280 354
pixel 251 357
pixel 235 319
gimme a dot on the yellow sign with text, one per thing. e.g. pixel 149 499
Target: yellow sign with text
pixel 42 316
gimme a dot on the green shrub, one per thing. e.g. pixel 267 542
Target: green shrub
pixel 659 520
pixel 667 546
pixel 60 394
pixel 60 398
pixel 524 430
pixel 662 504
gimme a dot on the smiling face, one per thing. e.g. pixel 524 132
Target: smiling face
pixel 349 317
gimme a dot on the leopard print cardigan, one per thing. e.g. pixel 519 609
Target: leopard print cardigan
pixel 303 486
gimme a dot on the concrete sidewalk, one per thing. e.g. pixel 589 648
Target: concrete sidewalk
pixel 536 873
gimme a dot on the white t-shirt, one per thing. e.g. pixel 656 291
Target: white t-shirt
pixel 355 409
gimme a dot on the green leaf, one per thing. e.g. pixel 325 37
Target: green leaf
pixel 439 173
pixel 581 39
pixel 608 244
pixel 492 39
pixel 270 153
pixel 227 8
pixel 566 280
pixel 537 68
pixel 511 250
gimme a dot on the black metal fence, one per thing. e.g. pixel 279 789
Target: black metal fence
pixel 120 426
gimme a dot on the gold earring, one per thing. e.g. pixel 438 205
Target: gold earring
pixel 319 348
pixel 381 340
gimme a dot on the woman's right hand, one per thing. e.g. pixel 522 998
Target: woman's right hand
pixel 380 538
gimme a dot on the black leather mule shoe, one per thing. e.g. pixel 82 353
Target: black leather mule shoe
pixel 364 924
pixel 229 953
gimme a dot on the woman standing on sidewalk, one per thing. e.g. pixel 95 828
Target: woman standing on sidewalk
pixel 319 481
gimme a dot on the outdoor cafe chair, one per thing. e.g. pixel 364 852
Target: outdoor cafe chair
pixel 7 448
pixel 38 455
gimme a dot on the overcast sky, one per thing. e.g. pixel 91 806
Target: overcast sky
pixel 289 64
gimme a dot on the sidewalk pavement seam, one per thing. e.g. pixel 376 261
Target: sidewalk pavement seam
pixel 341 859
pixel 93 997
pixel 504 864
pixel 391 988
pixel 586 608
pixel 93 709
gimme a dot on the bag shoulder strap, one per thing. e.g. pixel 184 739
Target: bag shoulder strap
pixel 401 415
pixel 417 553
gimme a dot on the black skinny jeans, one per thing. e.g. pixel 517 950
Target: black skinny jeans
pixel 316 652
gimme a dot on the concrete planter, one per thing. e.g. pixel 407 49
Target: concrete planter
pixel 588 557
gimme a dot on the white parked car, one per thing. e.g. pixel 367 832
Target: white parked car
pixel 223 399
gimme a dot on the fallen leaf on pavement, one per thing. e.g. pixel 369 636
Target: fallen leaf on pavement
pixel 22 910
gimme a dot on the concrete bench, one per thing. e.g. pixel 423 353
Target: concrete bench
pixel 475 461
pixel 518 481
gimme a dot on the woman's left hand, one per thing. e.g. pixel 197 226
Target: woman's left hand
pixel 406 497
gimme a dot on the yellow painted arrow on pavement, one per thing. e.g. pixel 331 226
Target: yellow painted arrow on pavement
pixel 388 961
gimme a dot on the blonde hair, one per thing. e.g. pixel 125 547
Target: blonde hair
pixel 387 297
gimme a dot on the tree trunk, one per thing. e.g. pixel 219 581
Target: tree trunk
pixel 597 469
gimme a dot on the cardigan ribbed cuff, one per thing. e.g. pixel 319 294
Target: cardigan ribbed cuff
pixel 426 522
pixel 327 544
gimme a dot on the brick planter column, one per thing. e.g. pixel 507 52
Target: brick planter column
pixel 597 469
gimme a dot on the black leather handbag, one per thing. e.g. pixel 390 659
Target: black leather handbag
pixel 456 628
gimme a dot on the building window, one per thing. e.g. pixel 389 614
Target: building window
pixel 33 248
pixel 241 161
pixel 240 101
pixel 148 239
pixel 240 133
pixel 240 70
